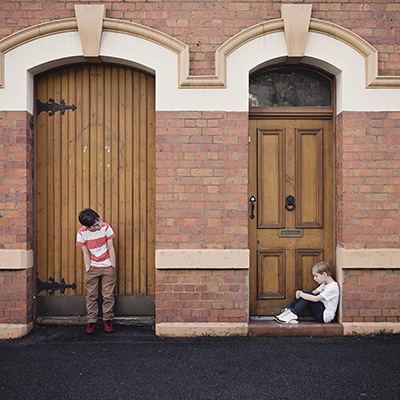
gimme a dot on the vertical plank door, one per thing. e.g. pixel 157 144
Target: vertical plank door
pixel 100 155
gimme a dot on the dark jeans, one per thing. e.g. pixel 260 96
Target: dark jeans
pixel 317 309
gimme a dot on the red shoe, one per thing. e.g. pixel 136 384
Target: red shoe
pixel 108 326
pixel 90 327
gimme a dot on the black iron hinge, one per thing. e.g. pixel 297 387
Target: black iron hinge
pixel 51 107
pixel 51 286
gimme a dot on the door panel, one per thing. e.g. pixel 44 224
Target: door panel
pixel 304 260
pixel 289 157
pixel 309 184
pixel 271 274
pixel 271 170
pixel 101 155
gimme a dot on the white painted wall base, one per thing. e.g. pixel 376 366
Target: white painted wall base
pixel 179 329
pixel 13 331
pixel 369 328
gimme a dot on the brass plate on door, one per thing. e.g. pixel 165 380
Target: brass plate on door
pixel 291 233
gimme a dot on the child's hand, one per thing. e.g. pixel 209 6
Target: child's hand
pixel 298 293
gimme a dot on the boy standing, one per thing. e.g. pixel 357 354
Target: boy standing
pixel 95 238
pixel 323 301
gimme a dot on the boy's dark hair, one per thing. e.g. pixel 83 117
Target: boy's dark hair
pixel 88 217
pixel 320 267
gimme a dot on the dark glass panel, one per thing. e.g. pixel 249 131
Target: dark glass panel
pixel 290 87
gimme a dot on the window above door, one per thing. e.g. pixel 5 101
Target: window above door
pixel 290 86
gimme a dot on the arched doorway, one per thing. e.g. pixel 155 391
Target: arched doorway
pixel 94 147
pixel 291 182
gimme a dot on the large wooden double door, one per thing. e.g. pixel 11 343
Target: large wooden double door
pixel 292 221
pixel 95 148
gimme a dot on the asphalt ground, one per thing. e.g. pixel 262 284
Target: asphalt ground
pixel 133 363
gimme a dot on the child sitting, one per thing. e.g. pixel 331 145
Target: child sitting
pixel 323 301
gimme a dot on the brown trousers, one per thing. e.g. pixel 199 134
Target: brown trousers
pixel 108 278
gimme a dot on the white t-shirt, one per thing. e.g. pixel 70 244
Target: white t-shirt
pixel 330 299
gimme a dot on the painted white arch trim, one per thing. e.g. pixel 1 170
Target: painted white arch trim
pixel 352 60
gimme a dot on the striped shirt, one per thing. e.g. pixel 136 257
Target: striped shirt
pixel 96 243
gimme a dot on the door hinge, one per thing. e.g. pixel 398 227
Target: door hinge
pixel 51 286
pixel 51 107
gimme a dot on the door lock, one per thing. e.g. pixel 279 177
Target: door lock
pixel 290 203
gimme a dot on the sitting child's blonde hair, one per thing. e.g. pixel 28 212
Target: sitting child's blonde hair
pixel 320 267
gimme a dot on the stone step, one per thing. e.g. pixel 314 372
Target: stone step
pixel 269 327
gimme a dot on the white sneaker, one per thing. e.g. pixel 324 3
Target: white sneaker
pixel 289 318
pixel 282 314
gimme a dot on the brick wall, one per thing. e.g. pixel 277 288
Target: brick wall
pixel 371 295
pixel 206 25
pixel 202 296
pixel 16 214
pixel 16 181
pixel 368 181
pixel 16 296
pixel 368 210
pixel 202 180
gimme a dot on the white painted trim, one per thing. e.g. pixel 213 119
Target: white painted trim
pixel 21 63
pixel 16 259
pixel 202 259
pixel 369 328
pixel 14 331
pixel 352 93
pixel 177 329
pixel 60 48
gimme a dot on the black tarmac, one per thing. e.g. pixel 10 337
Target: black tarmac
pixel 133 363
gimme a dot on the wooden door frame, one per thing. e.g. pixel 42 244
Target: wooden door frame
pixel 306 113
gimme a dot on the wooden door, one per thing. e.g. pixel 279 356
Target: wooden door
pixel 97 151
pixel 289 157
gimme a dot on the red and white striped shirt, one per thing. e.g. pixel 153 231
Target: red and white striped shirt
pixel 96 243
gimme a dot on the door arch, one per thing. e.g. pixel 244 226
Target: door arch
pixel 291 179
pixel 98 151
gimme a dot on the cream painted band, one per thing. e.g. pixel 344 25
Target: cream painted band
pixel 367 258
pixel 14 331
pixel 202 259
pixel 16 259
pixel 369 328
pixel 181 329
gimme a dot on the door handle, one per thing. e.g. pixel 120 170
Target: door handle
pixel 290 203
pixel 253 202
